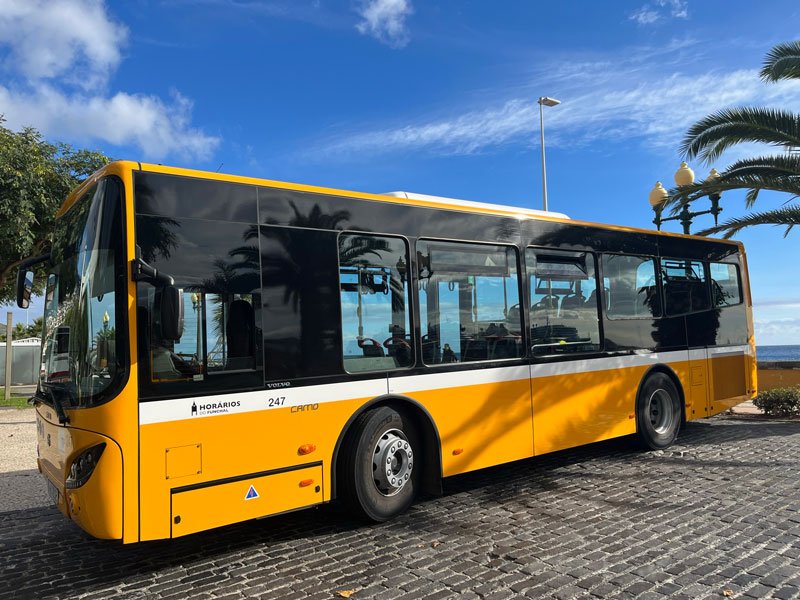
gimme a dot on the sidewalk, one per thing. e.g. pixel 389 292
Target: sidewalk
pixel 746 408
pixel 21 485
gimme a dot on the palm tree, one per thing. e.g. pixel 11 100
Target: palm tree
pixel 711 136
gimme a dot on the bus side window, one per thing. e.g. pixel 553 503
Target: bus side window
pixel 469 302
pixel 632 288
pixel 215 265
pixel 725 284
pixel 373 284
pixel 564 302
pixel 685 287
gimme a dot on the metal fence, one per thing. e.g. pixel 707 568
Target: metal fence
pixel 25 364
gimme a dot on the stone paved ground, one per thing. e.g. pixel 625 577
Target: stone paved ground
pixel 715 516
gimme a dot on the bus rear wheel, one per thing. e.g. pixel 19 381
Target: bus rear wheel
pixel 381 471
pixel 658 412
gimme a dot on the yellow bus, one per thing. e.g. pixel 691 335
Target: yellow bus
pixel 219 348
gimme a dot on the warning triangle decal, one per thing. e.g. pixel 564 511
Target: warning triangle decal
pixel 252 494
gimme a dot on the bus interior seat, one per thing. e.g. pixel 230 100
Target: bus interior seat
pixel 548 305
pixel 504 348
pixel 474 350
pixel 698 295
pixel 370 348
pixel 592 300
pixel 399 348
pixel 573 301
pixel 679 296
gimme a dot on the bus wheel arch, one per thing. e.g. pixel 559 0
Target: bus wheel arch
pixel 660 407
pixel 430 481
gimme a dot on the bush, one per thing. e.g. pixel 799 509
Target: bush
pixel 780 402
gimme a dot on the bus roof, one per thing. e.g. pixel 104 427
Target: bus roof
pixel 118 167
pixel 531 212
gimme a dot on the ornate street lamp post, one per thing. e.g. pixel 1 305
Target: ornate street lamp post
pixel 683 176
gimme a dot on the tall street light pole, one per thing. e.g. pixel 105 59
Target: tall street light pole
pixel 544 101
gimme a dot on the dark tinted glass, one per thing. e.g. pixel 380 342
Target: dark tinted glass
pixel 172 196
pixel 302 322
pixel 322 211
pixel 86 301
pixel 725 284
pixel 469 302
pixel 373 279
pixel 685 286
pixel 216 267
pixel 631 288
pixel 564 302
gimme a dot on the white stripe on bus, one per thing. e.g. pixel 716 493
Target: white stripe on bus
pixel 178 409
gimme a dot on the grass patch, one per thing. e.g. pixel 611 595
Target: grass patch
pixel 16 401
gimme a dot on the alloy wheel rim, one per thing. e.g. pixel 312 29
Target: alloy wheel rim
pixel 392 462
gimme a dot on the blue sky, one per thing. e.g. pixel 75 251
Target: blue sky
pixel 435 97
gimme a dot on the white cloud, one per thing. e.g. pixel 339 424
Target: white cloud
pixel 777 332
pixel 60 55
pixel 644 15
pixel 678 9
pixel 660 11
pixel 159 128
pixel 385 20
pixel 54 38
pixel 630 103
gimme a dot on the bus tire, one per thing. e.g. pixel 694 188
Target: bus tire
pixel 379 475
pixel 658 412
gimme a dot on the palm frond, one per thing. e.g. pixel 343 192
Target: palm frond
pixel 687 194
pixel 775 164
pixel 788 217
pixel 782 62
pixel 750 197
pixel 712 135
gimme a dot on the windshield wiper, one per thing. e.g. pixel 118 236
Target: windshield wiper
pixel 59 408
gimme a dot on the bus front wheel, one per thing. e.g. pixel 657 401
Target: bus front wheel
pixel 381 470
pixel 658 412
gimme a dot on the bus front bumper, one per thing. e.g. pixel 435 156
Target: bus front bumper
pixel 96 505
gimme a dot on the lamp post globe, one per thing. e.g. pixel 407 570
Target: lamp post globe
pixel 658 195
pixel 658 198
pixel 684 175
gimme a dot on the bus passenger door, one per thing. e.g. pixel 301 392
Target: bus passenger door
pixel 475 382
pixel 728 367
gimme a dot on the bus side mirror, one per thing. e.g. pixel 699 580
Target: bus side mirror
pixel 24 287
pixel 169 310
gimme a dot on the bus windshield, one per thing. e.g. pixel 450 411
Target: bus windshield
pixel 84 303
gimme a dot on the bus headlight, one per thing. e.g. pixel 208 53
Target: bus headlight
pixel 83 465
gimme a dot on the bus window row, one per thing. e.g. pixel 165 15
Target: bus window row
pixel 469 299
pixel 283 303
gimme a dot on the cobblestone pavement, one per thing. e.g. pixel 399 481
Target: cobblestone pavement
pixel 715 516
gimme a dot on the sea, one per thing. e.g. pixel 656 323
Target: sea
pixel 764 353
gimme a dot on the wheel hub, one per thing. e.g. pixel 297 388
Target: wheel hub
pixel 661 411
pixel 392 462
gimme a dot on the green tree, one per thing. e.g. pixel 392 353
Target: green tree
pixel 35 178
pixel 711 136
